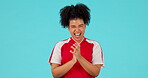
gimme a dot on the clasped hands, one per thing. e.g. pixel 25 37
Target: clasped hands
pixel 75 51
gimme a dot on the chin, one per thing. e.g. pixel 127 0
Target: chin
pixel 78 39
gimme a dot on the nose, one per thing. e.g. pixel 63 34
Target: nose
pixel 77 29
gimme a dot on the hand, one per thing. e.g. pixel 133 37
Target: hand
pixel 76 50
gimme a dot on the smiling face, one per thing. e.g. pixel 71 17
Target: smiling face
pixel 77 29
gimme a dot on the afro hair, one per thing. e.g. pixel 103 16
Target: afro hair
pixel 71 12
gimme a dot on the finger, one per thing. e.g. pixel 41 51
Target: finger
pixel 74 49
pixel 76 46
pixel 72 52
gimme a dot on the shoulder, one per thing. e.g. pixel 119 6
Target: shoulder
pixel 60 43
pixel 92 41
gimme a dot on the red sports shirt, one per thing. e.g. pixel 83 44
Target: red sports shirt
pixel 89 49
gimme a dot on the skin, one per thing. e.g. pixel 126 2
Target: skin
pixel 76 26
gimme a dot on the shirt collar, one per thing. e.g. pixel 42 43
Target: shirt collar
pixel 77 42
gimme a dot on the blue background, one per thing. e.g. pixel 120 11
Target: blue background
pixel 29 29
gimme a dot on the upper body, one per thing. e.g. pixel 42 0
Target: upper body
pixel 89 49
pixel 76 57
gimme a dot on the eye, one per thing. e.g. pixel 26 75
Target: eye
pixel 72 26
pixel 81 25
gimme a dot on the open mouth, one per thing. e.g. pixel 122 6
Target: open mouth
pixel 77 35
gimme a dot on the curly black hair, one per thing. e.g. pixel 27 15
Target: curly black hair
pixel 71 12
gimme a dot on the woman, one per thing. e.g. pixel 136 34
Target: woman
pixel 76 57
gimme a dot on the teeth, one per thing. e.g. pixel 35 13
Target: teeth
pixel 77 34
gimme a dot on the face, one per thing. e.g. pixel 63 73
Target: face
pixel 77 29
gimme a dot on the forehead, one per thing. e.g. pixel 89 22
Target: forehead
pixel 76 21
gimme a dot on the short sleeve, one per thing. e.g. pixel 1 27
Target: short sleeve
pixel 97 56
pixel 56 54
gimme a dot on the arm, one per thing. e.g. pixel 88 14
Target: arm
pixel 91 69
pixel 58 71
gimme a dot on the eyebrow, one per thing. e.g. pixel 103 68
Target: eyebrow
pixel 81 24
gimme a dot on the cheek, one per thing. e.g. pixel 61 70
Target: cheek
pixel 71 31
pixel 83 30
